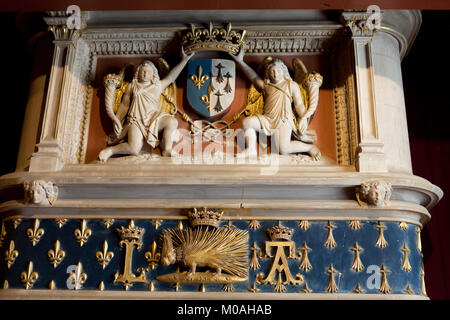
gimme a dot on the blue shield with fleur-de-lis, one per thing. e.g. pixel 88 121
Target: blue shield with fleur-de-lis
pixel 211 86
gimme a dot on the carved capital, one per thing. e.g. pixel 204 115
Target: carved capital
pixel 40 192
pixel 362 23
pixel 65 26
pixel 376 193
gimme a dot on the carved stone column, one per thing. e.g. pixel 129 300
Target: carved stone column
pixel 371 156
pixel 49 148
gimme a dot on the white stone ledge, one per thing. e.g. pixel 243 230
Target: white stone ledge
pixel 19 294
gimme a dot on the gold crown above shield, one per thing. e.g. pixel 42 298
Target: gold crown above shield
pixel 205 217
pixel 280 232
pixel 213 39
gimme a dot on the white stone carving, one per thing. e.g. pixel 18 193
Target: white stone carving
pixel 280 92
pixel 40 192
pixel 376 193
pixel 140 103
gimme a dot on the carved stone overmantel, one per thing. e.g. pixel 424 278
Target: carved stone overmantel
pixel 314 202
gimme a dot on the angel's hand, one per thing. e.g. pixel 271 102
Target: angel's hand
pixel 184 55
pixel 302 125
pixel 240 56
pixel 117 128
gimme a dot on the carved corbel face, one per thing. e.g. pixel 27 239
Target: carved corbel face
pixel 376 193
pixel 40 192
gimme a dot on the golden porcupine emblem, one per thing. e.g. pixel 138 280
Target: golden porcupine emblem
pixel 223 249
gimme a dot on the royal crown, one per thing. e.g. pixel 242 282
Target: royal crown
pixel 206 217
pixel 131 233
pixel 213 39
pixel 280 232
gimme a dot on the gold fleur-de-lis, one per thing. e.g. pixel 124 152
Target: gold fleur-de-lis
pixel 419 241
pixel 153 257
pixel 5 284
pixel 330 242
pixel 422 275
pixel 151 286
pixel 381 241
pixel 108 223
pixel 305 265
pixel 304 225
pixel 180 225
pixel 176 286
pixel 35 234
pixel 101 286
pixel 52 285
pixel 202 288
pixel 11 254
pixel 56 255
pixel 254 224
pixel 358 289
pixel 199 79
pixel 405 265
pixel 60 222
pixel 355 224
pixel 403 225
pixel 78 277
pixel 254 263
pixel 82 235
pixel 2 233
pixel 16 222
pixel 357 263
pixel 29 277
pixel 156 223
pixel 105 256
pixel 384 287
pixel 332 286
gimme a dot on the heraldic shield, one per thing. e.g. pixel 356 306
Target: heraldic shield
pixel 211 86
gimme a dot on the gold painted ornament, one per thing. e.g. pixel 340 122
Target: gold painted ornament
pixel 384 287
pixel 357 263
pixel 82 235
pixel 29 276
pixel 56 255
pixel 104 257
pixel 330 242
pixel 11 254
pixel 381 241
pixel 34 234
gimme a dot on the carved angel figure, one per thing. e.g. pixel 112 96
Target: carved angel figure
pixel 140 110
pixel 276 94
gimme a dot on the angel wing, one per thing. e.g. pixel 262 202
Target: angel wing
pixel 169 95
